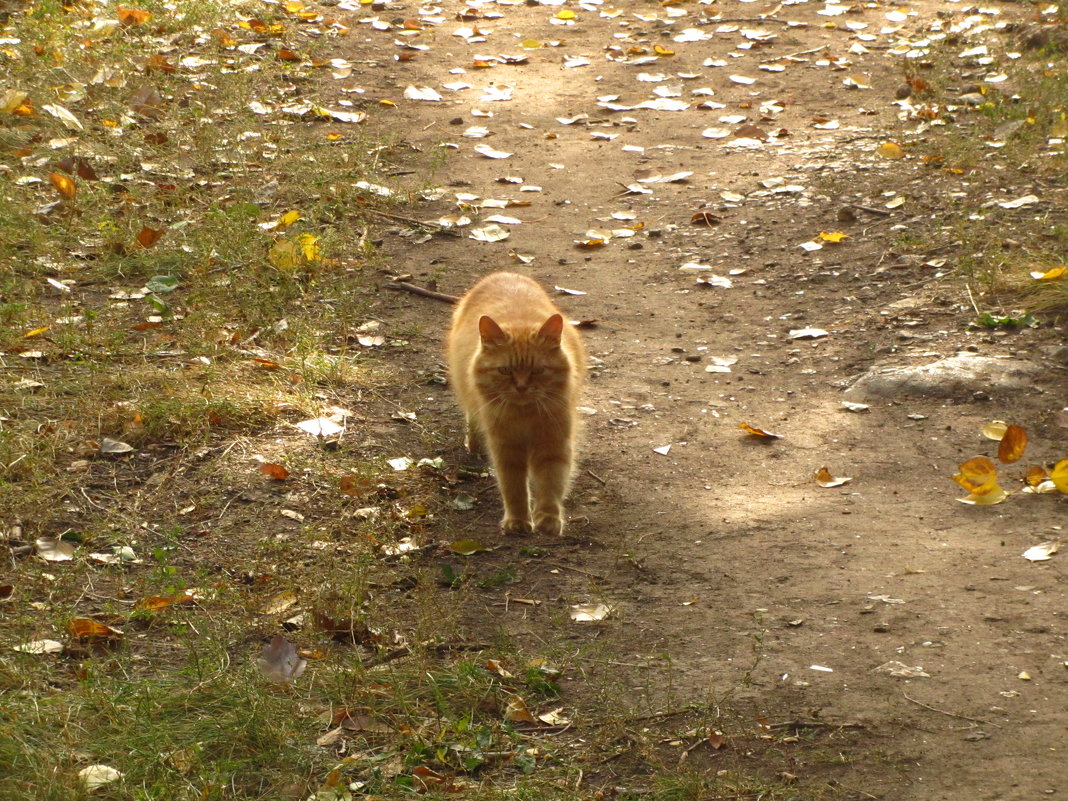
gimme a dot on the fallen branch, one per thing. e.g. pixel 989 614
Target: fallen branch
pixel 422 291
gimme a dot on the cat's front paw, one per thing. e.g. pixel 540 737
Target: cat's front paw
pixel 549 525
pixel 513 525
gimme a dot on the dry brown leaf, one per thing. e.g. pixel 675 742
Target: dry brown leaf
pixel 128 17
pixel 274 471
pixel 147 237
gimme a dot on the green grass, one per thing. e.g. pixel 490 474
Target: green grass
pixel 999 248
pixel 204 377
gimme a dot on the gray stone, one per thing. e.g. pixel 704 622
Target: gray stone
pixel 960 376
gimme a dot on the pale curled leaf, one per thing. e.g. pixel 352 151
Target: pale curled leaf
pixel 279 661
pixel 585 613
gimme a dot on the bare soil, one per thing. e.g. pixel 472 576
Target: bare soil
pixel 735 579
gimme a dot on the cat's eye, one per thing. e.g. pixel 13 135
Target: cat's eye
pixel 504 370
pixel 537 370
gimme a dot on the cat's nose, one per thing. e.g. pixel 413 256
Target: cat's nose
pixel 520 387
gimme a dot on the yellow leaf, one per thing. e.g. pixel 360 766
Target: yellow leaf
pixel 36 332
pixel 997 495
pixel 283 255
pixel 64 185
pixel 890 150
pixel 293 6
pixel 662 51
pixel 1059 475
pixel 995 429
pixel 385 102
pixel 1050 275
pixel 565 13
pixel 530 44
pixel 11 99
pixel 109 123
pixel 309 249
pixel 1012 445
pixel 517 711
pixel 288 219
pixel 978 476
pixel 833 236
pixel 1059 127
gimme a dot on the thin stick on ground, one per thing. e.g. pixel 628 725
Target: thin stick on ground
pixel 948 714
pixel 404 286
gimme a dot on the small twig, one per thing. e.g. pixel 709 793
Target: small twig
pixel 412 221
pixel 759 19
pixel 594 475
pixel 795 55
pixel 949 714
pixel 971 298
pixel 870 210
pixel 814 724
pixel 404 286
pixel 576 570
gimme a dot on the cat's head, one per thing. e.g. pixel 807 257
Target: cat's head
pixel 521 364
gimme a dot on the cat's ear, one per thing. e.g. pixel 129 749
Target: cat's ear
pixel 490 332
pixel 551 330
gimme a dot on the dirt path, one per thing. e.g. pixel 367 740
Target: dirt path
pixel 735 577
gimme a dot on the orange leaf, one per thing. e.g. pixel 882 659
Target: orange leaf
pixel 147 237
pixel 275 471
pixel 351 485
pixel 978 476
pixel 64 185
pixel 1035 475
pixel 266 364
pixel 84 627
pixel 758 432
pixel 132 16
pixel 1012 445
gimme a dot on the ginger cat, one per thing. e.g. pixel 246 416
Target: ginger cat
pixel 517 369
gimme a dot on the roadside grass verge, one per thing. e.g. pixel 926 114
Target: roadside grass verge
pixel 187 274
pixel 996 128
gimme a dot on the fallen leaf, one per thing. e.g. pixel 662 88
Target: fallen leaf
pixel 516 711
pixel 890 150
pixel 833 237
pixel 320 427
pixel 978 476
pixel 758 432
pixel 807 333
pixel 901 670
pixel 96 776
pixel 274 471
pixel 1012 445
pixel 467 547
pixel 114 447
pixel 1041 552
pixel 64 185
pixel 995 429
pixel 1050 275
pixel 85 628
pixel 39 647
pixel 586 613
pixel 279 661
pixel 147 237
pixel 1059 475
pixel 129 17
pixel 825 479
pixel 54 549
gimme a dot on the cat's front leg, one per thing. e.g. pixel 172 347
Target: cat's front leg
pixel 550 476
pixel 512 480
